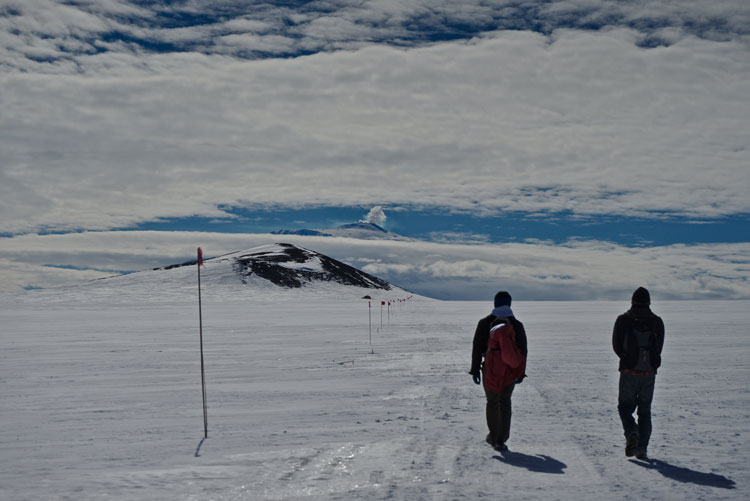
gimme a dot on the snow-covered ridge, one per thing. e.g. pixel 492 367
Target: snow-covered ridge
pixel 282 271
pixel 287 265
pixel 283 265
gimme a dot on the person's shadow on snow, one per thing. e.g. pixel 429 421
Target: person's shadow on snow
pixel 539 463
pixel 686 474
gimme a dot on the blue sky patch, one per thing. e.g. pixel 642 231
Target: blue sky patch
pixel 441 225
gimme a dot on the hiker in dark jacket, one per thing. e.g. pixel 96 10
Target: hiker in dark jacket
pixel 498 409
pixel 637 338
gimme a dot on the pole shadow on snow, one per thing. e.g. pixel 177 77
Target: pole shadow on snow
pixel 686 475
pixel 538 464
pixel 198 450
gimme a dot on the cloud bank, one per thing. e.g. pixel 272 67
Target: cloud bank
pixel 533 271
pixel 587 123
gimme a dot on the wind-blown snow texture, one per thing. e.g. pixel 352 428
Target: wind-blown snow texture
pixel 101 398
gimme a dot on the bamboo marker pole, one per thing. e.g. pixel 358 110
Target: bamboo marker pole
pixel 200 326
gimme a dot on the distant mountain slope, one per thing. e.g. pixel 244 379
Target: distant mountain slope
pixel 277 271
pixel 283 265
pixel 287 265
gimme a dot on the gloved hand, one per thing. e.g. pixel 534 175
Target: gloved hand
pixel 520 380
pixel 477 378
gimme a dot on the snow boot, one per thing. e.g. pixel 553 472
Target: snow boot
pixel 631 444
pixel 641 454
pixel 489 440
pixel 498 446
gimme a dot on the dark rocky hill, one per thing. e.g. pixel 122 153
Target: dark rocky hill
pixel 287 265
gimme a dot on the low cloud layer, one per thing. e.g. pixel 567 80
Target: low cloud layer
pixel 533 271
pixel 586 122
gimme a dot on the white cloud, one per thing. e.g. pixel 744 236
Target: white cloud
pixel 538 271
pixel 589 123
pixel 315 26
pixel 376 215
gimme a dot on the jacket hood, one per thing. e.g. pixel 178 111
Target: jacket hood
pixel 640 311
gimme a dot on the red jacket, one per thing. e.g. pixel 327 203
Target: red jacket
pixel 504 362
pixel 482 339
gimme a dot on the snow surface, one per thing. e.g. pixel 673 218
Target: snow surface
pixel 101 399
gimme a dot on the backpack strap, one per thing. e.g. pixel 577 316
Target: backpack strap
pixel 497 321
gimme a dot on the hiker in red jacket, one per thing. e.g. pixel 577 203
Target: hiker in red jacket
pixel 500 340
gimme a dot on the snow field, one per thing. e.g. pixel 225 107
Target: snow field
pixel 102 400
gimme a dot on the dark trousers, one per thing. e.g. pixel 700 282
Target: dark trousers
pixel 499 413
pixel 636 393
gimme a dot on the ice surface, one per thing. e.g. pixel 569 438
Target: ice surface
pixel 101 399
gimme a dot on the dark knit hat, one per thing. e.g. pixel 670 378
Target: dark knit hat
pixel 641 296
pixel 502 298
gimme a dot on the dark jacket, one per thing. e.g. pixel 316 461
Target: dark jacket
pixel 482 337
pixel 626 348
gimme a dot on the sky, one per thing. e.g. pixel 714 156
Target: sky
pixel 570 149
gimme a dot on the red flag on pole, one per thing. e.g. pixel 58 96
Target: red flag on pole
pixel 200 257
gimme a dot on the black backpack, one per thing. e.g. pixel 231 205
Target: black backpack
pixel 641 340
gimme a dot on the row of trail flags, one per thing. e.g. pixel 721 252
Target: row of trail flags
pixel 199 262
pixel 383 303
pixel 389 303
